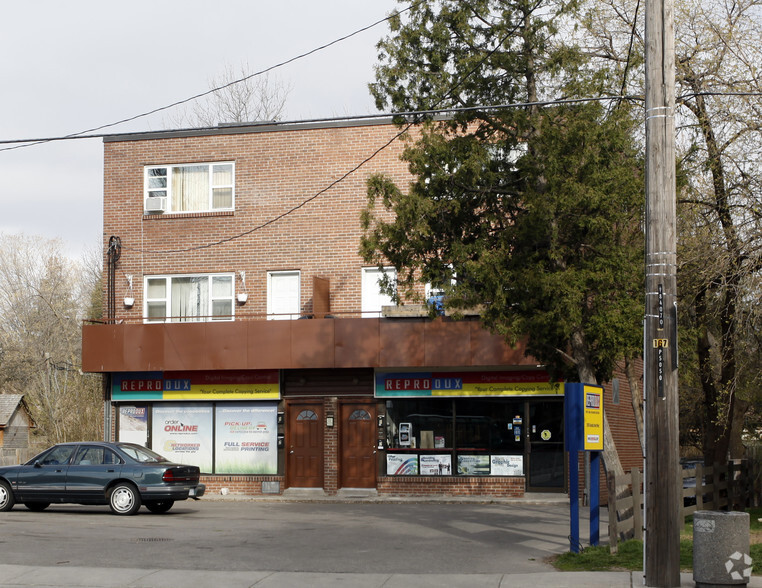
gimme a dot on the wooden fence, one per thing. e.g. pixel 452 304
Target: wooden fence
pixel 719 487
pixel 17 456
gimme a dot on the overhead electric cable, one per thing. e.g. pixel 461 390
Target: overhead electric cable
pixel 32 142
pixel 415 120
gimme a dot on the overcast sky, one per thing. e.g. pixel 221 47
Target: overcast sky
pixel 71 66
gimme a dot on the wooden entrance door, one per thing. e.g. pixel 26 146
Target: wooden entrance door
pixel 304 461
pixel 358 445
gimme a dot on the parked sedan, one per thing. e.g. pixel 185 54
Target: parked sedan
pixel 122 475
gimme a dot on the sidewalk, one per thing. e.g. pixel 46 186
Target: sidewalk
pixel 76 577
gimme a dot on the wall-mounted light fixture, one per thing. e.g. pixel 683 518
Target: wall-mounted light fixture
pixel 242 295
pixel 329 420
pixel 380 420
pixel 129 300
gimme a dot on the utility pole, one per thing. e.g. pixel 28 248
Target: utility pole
pixel 663 487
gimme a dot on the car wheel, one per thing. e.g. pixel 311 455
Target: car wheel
pixel 160 507
pixel 124 499
pixel 37 506
pixel 6 497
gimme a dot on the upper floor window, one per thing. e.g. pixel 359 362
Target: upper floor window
pixel 372 283
pixel 197 187
pixel 189 298
pixel 283 295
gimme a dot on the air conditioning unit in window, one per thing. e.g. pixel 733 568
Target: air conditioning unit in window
pixel 156 204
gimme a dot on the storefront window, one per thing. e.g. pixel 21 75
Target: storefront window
pixel 459 424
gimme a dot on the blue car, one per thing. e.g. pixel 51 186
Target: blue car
pixel 122 475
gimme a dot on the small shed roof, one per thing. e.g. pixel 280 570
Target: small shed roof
pixel 8 405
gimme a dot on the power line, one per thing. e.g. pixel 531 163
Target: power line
pixel 415 119
pixel 87 133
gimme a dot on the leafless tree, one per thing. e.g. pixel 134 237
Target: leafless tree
pixel 238 97
pixel 718 82
pixel 42 301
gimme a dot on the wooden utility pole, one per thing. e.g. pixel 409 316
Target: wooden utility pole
pixel 663 487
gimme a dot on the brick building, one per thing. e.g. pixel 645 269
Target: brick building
pixel 213 235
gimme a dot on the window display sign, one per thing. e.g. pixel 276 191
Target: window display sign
pixel 183 433
pixel 133 424
pixel 507 465
pixel 401 464
pixel 457 384
pixel 474 465
pixel 246 438
pixel 436 465
pixel 209 386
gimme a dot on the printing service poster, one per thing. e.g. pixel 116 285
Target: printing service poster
pixel 183 433
pixel 473 465
pixel 133 424
pixel 401 464
pixel 247 438
pixel 507 465
pixel 436 465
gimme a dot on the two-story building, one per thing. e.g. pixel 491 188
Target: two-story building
pixel 246 335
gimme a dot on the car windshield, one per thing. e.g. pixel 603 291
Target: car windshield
pixel 142 454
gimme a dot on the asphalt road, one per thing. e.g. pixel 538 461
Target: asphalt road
pixel 325 537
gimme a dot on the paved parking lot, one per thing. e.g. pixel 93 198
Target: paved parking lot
pixel 408 538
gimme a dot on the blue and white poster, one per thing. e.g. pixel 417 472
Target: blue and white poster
pixel 401 464
pixel 183 433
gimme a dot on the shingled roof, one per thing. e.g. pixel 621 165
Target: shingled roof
pixel 8 405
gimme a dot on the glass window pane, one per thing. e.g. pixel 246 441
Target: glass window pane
pixel 157 309
pixel 157 288
pixel 190 188
pixel 222 308
pixel 190 296
pixel 222 198
pixel 157 172
pixel 223 175
pixel 222 286
pixel 157 182
pixel 156 193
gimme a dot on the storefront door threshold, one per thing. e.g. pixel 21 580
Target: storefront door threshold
pixel 357 493
pixel 305 493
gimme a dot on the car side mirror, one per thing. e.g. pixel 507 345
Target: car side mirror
pixel 37 463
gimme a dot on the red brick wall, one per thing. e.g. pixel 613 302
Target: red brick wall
pixel 451 486
pixel 274 173
pixel 238 485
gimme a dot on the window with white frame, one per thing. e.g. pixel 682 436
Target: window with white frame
pixel 283 295
pixel 197 187
pixel 189 298
pixel 372 296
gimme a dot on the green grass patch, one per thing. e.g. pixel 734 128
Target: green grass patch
pixel 630 554
pixel 628 557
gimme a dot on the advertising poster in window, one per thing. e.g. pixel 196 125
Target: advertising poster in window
pixel 183 433
pixel 507 465
pixel 133 424
pixel 436 465
pixel 401 464
pixel 247 438
pixel 473 465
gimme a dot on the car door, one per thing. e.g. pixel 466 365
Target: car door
pixel 45 479
pixel 92 468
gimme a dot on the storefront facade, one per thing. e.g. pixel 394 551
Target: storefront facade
pixel 393 432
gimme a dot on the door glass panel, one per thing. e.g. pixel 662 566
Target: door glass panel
pixel 546 438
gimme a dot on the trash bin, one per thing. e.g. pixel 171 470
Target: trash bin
pixel 721 548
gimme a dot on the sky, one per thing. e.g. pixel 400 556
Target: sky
pixel 71 66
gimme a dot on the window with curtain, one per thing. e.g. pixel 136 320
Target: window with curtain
pixel 189 298
pixel 197 187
